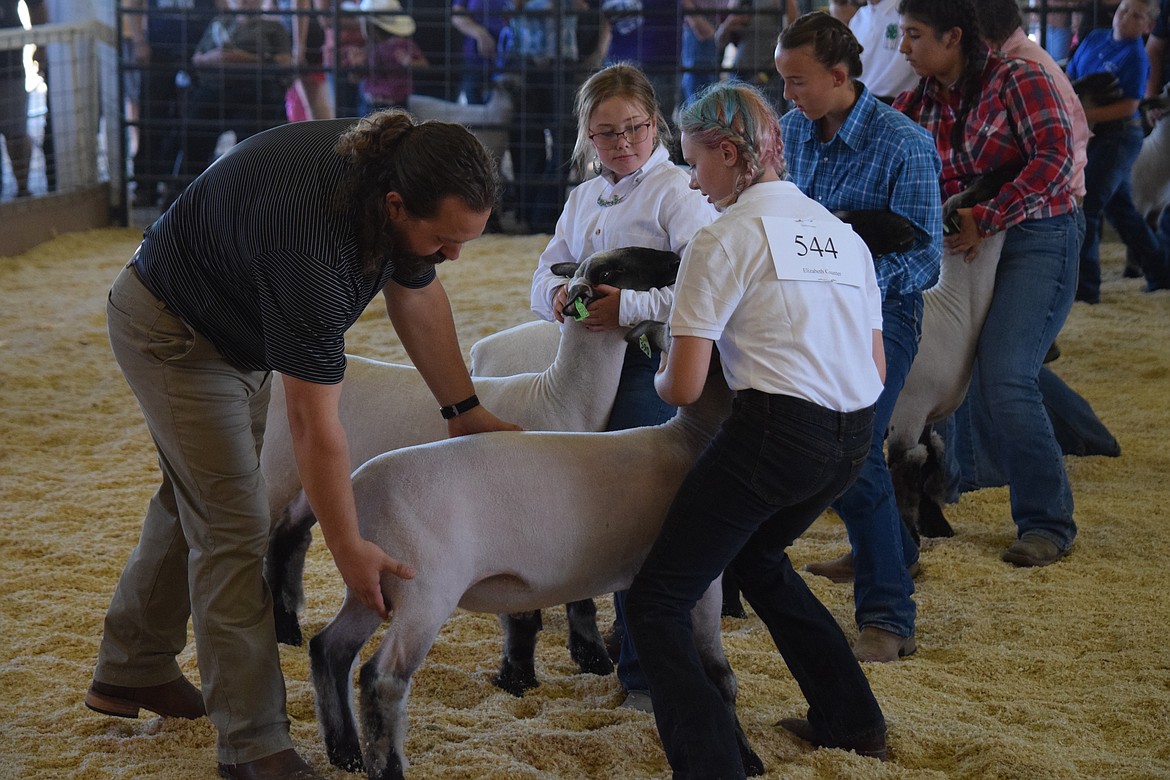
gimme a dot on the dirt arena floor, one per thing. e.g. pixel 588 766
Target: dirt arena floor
pixel 1061 672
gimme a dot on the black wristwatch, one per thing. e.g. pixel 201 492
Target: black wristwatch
pixel 454 410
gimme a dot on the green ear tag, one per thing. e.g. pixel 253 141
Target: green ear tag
pixel 644 344
pixel 582 312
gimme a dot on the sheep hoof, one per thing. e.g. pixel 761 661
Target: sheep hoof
pixel 515 681
pixel 288 627
pixel 732 608
pixel 591 658
pixel 931 521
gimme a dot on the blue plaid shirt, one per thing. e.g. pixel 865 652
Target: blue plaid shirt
pixel 879 159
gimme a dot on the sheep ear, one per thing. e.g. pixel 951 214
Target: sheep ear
pixel 566 270
pixel 674 263
pixel 654 334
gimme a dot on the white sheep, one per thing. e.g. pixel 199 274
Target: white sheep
pixel 490 541
pixel 953 311
pixel 385 406
pixel 1151 170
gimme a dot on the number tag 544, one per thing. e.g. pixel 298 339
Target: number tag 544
pixel 813 250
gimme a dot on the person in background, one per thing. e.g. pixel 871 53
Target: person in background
pixel 13 96
pixel 753 31
pixel 163 34
pixel 1002 27
pixel 847 150
pixel 538 49
pixel 988 114
pixel 647 33
pixel 638 198
pixel 246 275
pixel 311 94
pixel 480 22
pixel 701 55
pixel 242 64
pixel 884 70
pixel 1158 52
pixel 389 56
pixel 1116 143
pixel 844 10
pixel 797 436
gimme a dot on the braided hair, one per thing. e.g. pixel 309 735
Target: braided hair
pixel 833 43
pixel 424 163
pixel 737 112
pixel 943 16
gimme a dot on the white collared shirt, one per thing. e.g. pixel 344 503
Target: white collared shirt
pixel 657 209
pixel 807 339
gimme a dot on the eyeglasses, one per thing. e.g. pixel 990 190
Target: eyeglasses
pixel 609 139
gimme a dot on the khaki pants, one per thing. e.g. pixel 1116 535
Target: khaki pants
pixel 203 540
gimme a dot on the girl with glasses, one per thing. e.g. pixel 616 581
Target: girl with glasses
pixel 638 198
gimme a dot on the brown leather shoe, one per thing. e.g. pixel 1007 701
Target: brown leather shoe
pixel 176 699
pixel 841 569
pixel 1032 549
pixel 874 747
pixel 881 646
pixel 285 765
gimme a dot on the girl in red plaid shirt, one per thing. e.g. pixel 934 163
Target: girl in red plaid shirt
pixel 990 114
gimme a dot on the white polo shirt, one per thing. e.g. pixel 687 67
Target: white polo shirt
pixel 883 68
pixel 808 335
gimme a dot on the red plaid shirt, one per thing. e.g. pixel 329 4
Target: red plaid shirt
pixel 1017 119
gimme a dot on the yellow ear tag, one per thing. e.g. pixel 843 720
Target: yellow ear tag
pixel 644 344
pixel 582 312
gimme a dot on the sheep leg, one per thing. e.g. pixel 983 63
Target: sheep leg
pixel 931 520
pixel 284 567
pixel 333 654
pixel 906 475
pixel 385 683
pixel 518 667
pixel 586 646
pixel 709 644
pixel 732 605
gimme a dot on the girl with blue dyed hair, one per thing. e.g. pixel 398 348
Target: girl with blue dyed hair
pixel 788 294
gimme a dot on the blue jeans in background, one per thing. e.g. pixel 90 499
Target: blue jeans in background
pixel 881 544
pixel 704 57
pixel 1034 286
pixel 635 405
pixel 1111 155
pixel 775 465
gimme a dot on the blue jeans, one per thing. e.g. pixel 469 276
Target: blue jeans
pixel 1111 155
pixel 881 544
pixel 1034 286
pixel 775 465
pixel 704 57
pixel 636 405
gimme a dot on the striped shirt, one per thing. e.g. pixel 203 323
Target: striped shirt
pixel 878 159
pixel 1017 119
pixel 253 257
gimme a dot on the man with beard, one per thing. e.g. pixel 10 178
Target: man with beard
pixel 261 265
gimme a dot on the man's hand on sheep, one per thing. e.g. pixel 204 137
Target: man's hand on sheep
pixel 361 564
pixel 478 420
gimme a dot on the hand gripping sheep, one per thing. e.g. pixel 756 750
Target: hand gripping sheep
pixel 575 393
pixel 487 542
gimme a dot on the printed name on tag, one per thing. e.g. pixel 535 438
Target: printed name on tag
pixel 811 250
